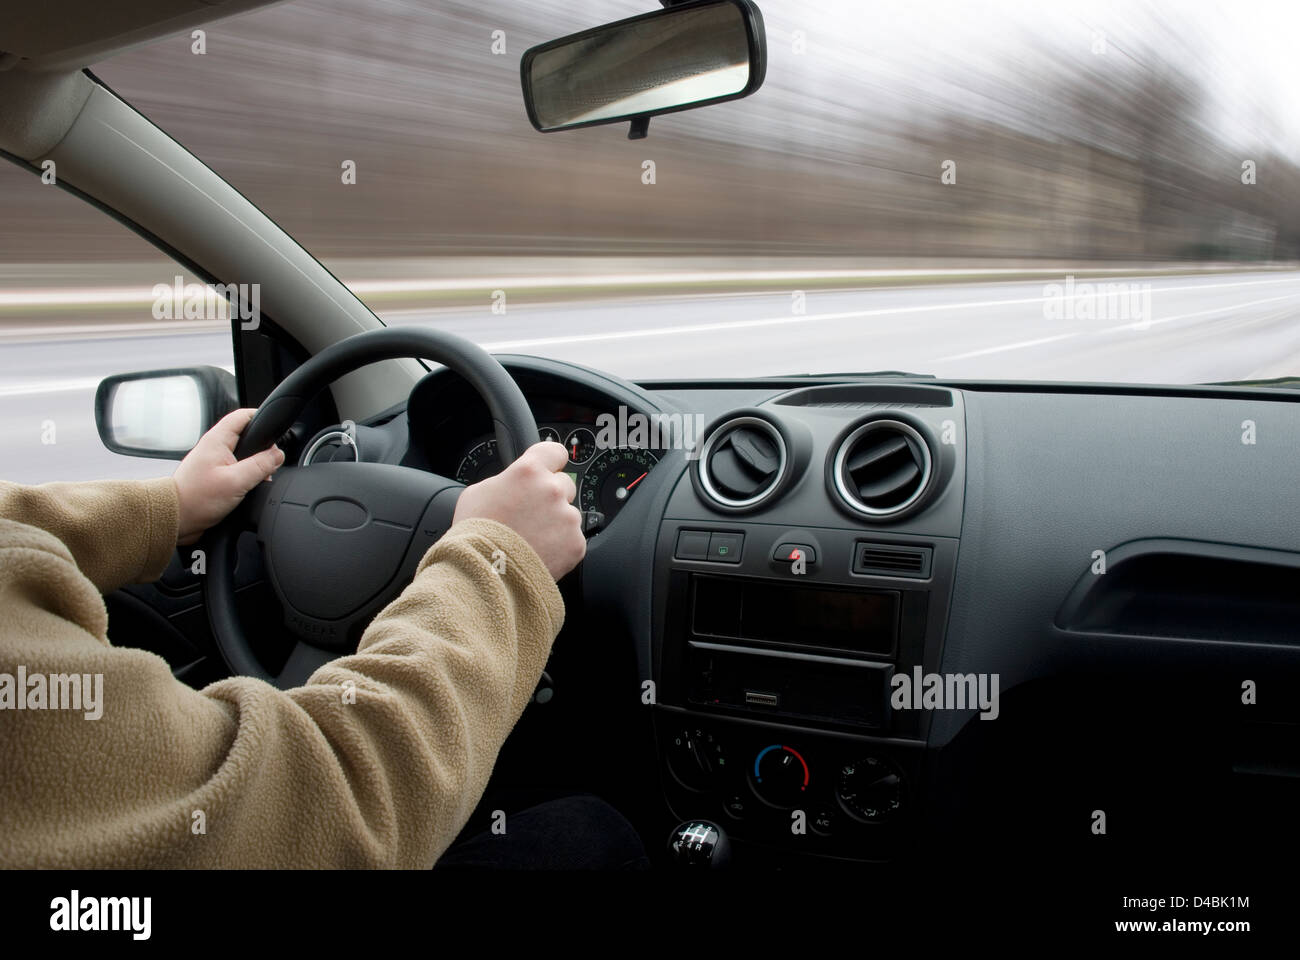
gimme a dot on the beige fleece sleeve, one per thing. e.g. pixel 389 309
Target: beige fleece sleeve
pixel 118 531
pixel 377 761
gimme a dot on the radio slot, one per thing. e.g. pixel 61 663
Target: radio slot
pixel 794 685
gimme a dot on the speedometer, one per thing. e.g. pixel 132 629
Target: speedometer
pixel 612 478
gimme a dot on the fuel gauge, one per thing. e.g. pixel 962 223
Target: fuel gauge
pixel 581 444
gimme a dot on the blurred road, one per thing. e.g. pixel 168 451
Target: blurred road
pixel 1220 327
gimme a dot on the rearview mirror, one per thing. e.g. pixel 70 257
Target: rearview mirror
pixel 685 56
pixel 162 413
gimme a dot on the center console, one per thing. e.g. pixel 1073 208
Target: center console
pixel 805 558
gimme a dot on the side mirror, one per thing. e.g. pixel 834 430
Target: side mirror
pixel 685 56
pixel 162 413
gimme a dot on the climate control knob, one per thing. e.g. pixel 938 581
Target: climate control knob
pixel 780 775
pixel 870 789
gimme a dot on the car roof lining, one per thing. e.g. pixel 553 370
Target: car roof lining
pixel 66 35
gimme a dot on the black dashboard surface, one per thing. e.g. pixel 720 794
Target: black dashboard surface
pixel 1132 551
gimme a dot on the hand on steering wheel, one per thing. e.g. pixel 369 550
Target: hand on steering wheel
pixel 534 497
pixel 340 540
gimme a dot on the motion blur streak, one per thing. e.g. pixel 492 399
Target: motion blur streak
pixel 1077 130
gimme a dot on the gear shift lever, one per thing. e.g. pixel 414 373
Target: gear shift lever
pixel 700 845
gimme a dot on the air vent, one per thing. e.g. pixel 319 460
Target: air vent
pixel 742 462
pixel 889 560
pixel 882 468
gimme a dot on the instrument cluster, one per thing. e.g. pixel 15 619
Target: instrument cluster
pixel 606 476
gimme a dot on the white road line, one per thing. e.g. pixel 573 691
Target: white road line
pixel 47 386
pixel 1145 325
pixel 792 319
pixel 160 328
pixel 33 388
pixel 36 330
pixel 817 318
pixel 1138 325
pixel 1003 348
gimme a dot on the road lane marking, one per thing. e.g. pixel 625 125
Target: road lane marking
pixel 812 318
pixel 36 387
pixel 1144 325
pixel 1139 325
pixel 41 333
pixel 1003 348
pixel 686 329
pixel 47 386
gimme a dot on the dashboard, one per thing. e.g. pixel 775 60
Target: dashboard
pixel 444 428
pixel 880 614
pixel 605 473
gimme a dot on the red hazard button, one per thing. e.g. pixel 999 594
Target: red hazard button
pixel 790 552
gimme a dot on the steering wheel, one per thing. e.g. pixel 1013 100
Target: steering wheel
pixel 340 540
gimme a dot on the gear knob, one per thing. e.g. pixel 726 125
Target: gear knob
pixel 700 845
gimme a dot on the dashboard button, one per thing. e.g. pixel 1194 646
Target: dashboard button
pixel 823 822
pixel 725 547
pixel 692 545
pixel 787 552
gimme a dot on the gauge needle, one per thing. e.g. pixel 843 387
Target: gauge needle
pixel 624 491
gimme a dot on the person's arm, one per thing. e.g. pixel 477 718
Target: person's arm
pixel 124 531
pixel 117 531
pixel 377 760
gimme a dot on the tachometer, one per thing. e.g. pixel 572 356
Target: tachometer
pixel 482 461
pixel 612 478
pixel 479 464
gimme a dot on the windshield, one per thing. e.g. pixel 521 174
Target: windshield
pixel 1070 190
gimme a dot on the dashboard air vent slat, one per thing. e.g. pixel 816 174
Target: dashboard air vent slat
pixel 742 462
pixel 885 483
pixel 882 468
pixel 892 560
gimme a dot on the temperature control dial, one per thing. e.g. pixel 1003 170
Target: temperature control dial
pixel 780 775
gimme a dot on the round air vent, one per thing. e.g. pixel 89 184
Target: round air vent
pixel 883 468
pixel 742 462
pixel 330 446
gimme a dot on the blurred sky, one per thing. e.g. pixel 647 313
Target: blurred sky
pixel 844 138
pixel 959 54
pixel 889 57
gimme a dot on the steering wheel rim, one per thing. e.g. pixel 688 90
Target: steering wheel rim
pixel 428 499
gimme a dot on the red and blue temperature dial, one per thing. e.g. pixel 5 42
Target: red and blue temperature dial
pixel 780 775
